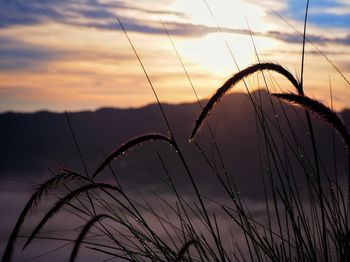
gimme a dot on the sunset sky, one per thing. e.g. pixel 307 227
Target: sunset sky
pixel 72 55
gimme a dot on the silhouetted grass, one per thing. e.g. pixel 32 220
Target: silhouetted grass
pixel 297 235
pixel 302 221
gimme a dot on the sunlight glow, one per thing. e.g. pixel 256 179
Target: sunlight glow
pixel 86 56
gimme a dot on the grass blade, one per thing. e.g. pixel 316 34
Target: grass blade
pixel 185 248
pixel 130 145
pixel 321 110
pixel 234 80
pixel 84 231
pixel 63 201
pixel 34 199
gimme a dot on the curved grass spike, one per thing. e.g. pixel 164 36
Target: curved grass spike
pixel 84 231
pixel 129 145
pixel 238 77
pixel 64 200
pixel 34 199
pixel 321 110
pixel 327 115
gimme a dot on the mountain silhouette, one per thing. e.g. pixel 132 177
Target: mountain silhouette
pixel 30 143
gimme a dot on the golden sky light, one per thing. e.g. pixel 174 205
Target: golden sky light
pixel 61 55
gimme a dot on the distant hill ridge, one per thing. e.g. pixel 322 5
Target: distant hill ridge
pixel 30 142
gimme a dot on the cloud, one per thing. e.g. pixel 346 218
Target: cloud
pixel 18 12
pixel 21 12
pixel 102 15
pixel 322 13
pixel 340 53
pixel 317 39
pixel 93 14
pixel 346 66
pixel 270 4
pixel 16 55
pixel 338 11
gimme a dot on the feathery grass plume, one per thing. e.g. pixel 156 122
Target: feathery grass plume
pixel 63 201
pixel 34 199
pixel 130 145
pixel 83 232
pixel 321 110
pixel 235 79
pixel 184 248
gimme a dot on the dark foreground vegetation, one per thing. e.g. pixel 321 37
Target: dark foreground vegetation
pixel 303 212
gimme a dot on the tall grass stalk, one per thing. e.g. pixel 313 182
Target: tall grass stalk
pixel 293 237
pixel 298 224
